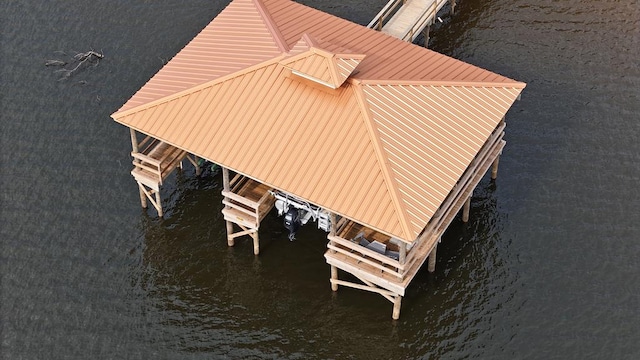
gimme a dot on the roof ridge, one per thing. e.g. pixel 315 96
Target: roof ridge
pixel 193 89
pixel 271 26
pixel 514 84
pixel 333 69
pixel 389 180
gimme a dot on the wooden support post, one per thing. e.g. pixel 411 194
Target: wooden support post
pixel 134 140
pixel 256 243
pixel 230 240
pixel 134 147
pixel 159 202
pixel 143 197
pixel 403 252
pixel 453 6
pixel 465 210
pixel 334 224
pixel 227 187
pixel 425 32
pixel 334 276
pixel 397 302
pixel 494 168
pixel 197 165
pixel 431 267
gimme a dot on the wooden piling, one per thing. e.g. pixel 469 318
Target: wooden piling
pixel 227 187
pixel 431 267
pixel 494 168
pixel 256 243
pixel 425 33
pixel 397 302
pixel 453 6
pixel 159 204
pixel 465 210
pixel 134 140
pixel 334 276
pixel 230 240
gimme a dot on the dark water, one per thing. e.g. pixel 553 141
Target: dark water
pixel 547 268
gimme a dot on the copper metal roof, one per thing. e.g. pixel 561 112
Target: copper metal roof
pixel 363 124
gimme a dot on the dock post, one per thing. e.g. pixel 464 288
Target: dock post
pixel 397 302
pixel 334 276
pixel 197 166
pixel 453 6
pixel 159 204
pixel 230 240
pixel 134 140
pixel 494 168
pixel 431 267
pixel 134 148
pixel 227 187
pixel 465 209
pixel 425 33
pixel 256 243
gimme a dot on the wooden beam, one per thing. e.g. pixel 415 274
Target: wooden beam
pixel 374 289
pixel 242 233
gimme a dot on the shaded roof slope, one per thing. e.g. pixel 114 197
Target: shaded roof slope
pixel 376 142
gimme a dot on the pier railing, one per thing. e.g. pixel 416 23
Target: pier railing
pixel 420 22
pixel 396 270
pixel 384 14
pixel 426 18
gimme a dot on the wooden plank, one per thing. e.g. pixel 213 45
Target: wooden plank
pixel 240 208
pixel 146 178
pixel 410 19
pixel 240 199
pixel 364 287
pixel 364 271
pixel 239 218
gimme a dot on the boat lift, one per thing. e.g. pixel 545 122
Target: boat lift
pixel 298 212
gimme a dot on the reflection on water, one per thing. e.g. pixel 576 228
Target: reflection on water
pixel 546 267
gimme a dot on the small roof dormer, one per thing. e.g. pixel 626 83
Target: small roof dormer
pixel 323 63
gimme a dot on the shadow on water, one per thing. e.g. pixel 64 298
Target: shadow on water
pixel 210 299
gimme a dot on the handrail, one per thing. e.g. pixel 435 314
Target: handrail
pixel 367 252
pixel 382 15
pixel 145 158
pixel 240 208
pixel 364 260
pixel 421 24
pixel 240 199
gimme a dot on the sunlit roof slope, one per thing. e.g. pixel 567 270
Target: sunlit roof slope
pixel 358 122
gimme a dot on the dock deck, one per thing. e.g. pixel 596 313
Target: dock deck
pixel 406 19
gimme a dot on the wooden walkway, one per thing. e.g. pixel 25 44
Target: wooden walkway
pixel 406 19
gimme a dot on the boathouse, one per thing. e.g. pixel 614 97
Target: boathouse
pixel 378 140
